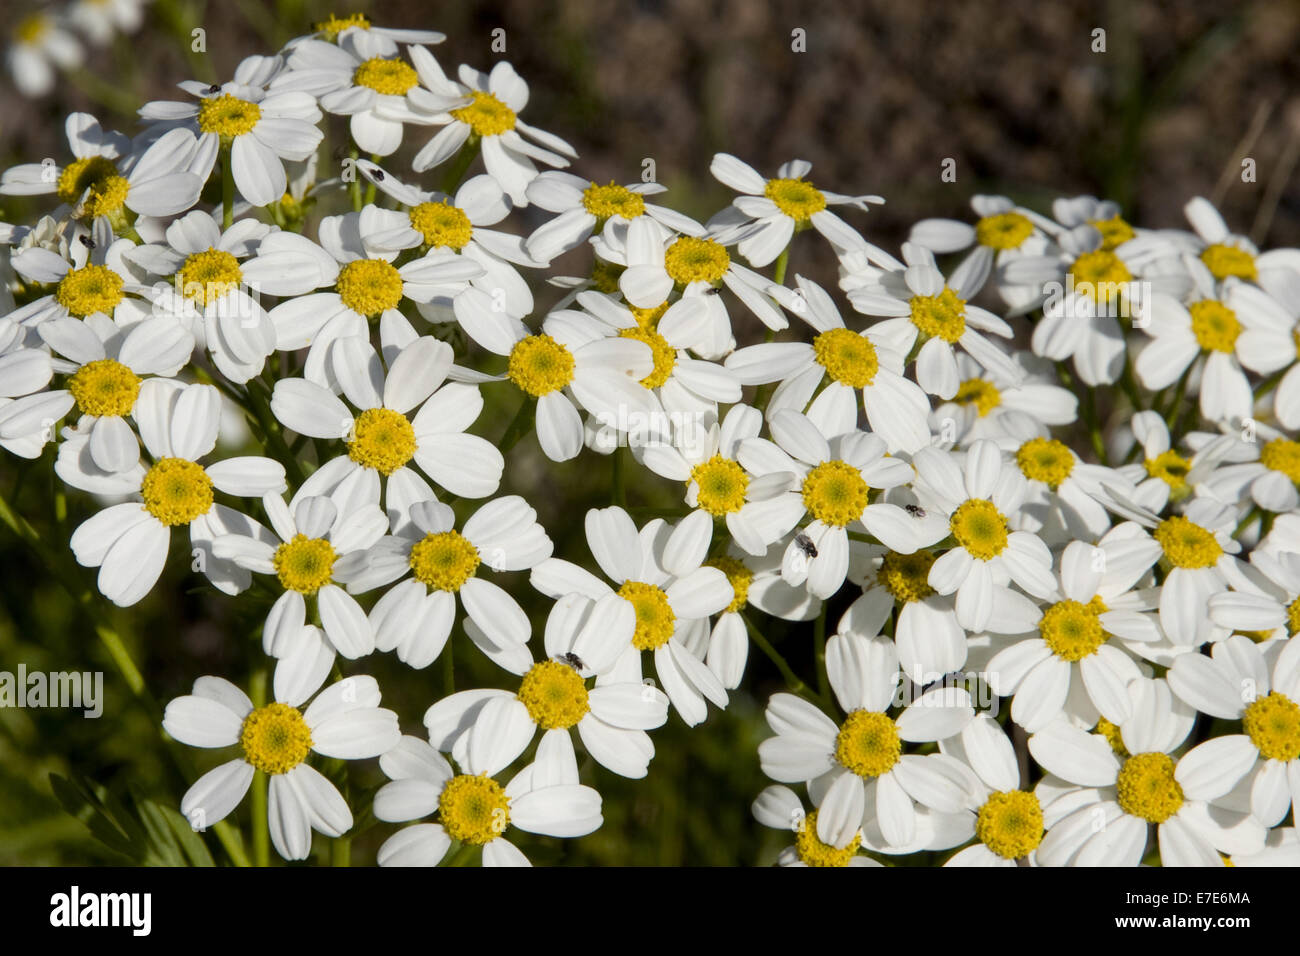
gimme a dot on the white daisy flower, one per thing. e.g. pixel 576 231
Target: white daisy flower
pixel 128 542
pixel 101 20
pixel 95 153
pixel 1067 496
pixel 332 27
pixel 545 797
pixel 40 45
pixel 1230 255
pixel 1264 471
pixel 773 210
pixel 1165 476
pixel 1270 346
pixel 1264 602
pixel 822 841
pixel 344 721
pixel 990 406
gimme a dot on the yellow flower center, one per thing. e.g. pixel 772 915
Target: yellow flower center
pixel 1293 617
pixel 382 439
pixel 88 290
pixel 1113 736
pixel 942 315
pixel 444 561
pixel 275 738
pixel 813 852
pixel 1010 823
pixel 612 200
pixel 664 355
pixel 82 174
pixel 655 619
pixel 797 198
pixel 176 491
pixel 1100 275
pixel 1215 325
pixel 1282 454
pixel 1006 230
pixel 835 493
pixel 540 365
pixel 442 225
pixel 486 115
pixel 848 358
pixel 555 695
pixel 604 278
pixel 474 810
pixel 906 576
pixel 1273 723
pixel 648 318
pixel 722 485
pixel 104 388
pixel 1259 637
pixel 31 29
pixel 228 116
pixel 370 286
pixel 332 26
pixel 208 276
pixel 389 77
pixel 980 528
pixel 1114 231
pixel 690 259
pixel 1147 788
pixel 1170 467
pixel 868 743
pixel 984 395
pixel 1073 630
pixel 1046 460
pixel 1225 261
pixel 106 197
pixel 304 564
pixel 1186 544
pixel 738 576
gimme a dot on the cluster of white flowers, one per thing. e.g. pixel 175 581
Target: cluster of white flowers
pixel 49 40
pixel 1050 655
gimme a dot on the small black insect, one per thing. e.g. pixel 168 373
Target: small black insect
pixel 214 88
pixel 916 511
pixel 572 659
pixel 87 242
pixel 804 543
pixel 377 173
pixel 712 290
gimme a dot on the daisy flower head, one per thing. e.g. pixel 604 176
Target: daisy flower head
pixel 483 109
pixel 1264 600
pixel 1166 477
pixel 991 406
pixel 1263 470
pixel 847 363
pixel 1066 497
pixel 128 542
pixel 343 721
pixel 773 210
pixel 96 152
pixel 334 27
pixel 821 841
pixel 40 44
pixel 472 808
pixel 101 20
pixel 1226 254
pixel 1269 345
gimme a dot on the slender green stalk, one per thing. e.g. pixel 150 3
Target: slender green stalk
pixel 261 782
pixel 792 680
pixel 519 426
pixel 460 165
pixel 227 188
pixel 782 262
pixel 618 487
pixel 354 187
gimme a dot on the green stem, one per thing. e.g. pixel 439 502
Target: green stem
pixel 461 857
pixel 261 409
pixel 1176 409
pixel 227 188
pixel 354 188
pixel 1270 383
pixel 782 261
pixel 261 782
pixel 456 171
pixel 618 491
pixel 792 680
pixel 519 426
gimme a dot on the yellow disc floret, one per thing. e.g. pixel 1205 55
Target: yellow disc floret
pixel 1147 788
pixel 444 561
pixel 1114 231
pixel 1005 230
pixel 1170 467
pixel 1215 325
pixel 665 356
pixel 813 852
pixel 82 174
pixel 485 115
pixel 389 77
pixel 228 116
pixel 104 388
pixel 835 493
pixel 370 286
pixel 655 619
pixel 797 198
pixel 208 276
pixel 1073 630
pixel 690 259
pixel 106 197
pixel 1101 276
pixel 942 315
pixel 721 484
pixel 980 528
pixel 176 491
pixel 1186 544
pixel 474 810
pixel 612 200
pixel 275 738
pixel 1273 724
pixel 88 290
pixel 382 439
pixel 332 26
pixel 540 365
pixel 442 225
pixel 983 394
pixel 1283 455
pixel 304 564
pixel 738 576
pixel 1010 823
pixel 1046 460
pixel 906 576
pixel 848 358
pixel 555 695
pixel 1229 261
pixel 1113 736
pixel 868 743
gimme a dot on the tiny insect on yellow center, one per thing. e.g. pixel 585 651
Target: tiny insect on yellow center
pixel 1186 544
pixel 1273 725
pixel 796 198
pixel 555 695
pixel 980 528
pixel 370 286
pixel 82 174
pixel 88 290
pixel 275 738
pixel 813 852
pixel 1010 823
pixel 835 493
pixel 1114 231
pixel 690 259
pixel 612 200
pixel 474 809
pixel 984 395
pixel 104 388
pixel 942 316
pixel 738 576
pixel 1215 326
pixel 228 116
pixel 444 561
pixel 849 358
pixel 1147 789
pixel 1072 629
pixel 1225 262
pixel 208 276
pixel 655 619
pixel 176 491
pixel 721 485
pixel 1101 276
pixel 389 77
pixel 906 576
pixel 485 115
pixel 1046 460
pixel 540 365
pixel 868 743
pixel 664 355
pixel 382 439
pixel 304 564
pixel 1282 455
pixel 442 225
pixel 1004 230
